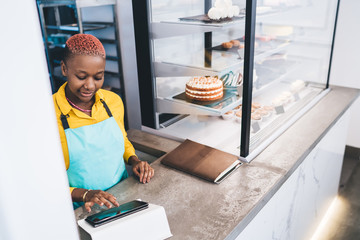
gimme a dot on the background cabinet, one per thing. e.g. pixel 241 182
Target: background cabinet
pixel 285 65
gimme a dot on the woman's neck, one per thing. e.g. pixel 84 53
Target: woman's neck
pixel 76 101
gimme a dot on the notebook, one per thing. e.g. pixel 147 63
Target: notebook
pixel 202 161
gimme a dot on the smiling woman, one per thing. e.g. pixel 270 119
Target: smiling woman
pixel 91 126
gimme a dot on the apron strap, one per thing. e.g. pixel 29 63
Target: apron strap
pixel 64 121
pixel 106 108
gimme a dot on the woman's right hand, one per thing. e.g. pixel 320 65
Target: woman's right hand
pixel 99 197
pixel 90 197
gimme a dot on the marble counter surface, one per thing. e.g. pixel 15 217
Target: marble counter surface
pixel 197 209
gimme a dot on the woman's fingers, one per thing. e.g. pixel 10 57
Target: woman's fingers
pixel 88 206
pixel 151 174
pixel 105 202
pixel 112 199
pixel 136 171
pixel 101 198
pixel 144 171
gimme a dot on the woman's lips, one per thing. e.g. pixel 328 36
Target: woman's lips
pixel 86 94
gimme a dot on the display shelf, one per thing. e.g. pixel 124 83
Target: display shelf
pixel 268 128
pixel 174 104
pixel 113 74
pixel 75 28
pixel 191 25
pixel 180 105
pixel 195 126
pixel 220 61
pixel 178 27
pixel 109 41
pixel 79 3
pixel 112 58
pixel 52 45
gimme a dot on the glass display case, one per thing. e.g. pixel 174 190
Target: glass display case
pixel 272 57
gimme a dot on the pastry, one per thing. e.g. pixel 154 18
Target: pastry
pixel 277 102
pixel 228 115
pixel 204 88
pixel 223 9
pixel 227 45
pixel 297 86
pixel 255 116
pixel 238 107
pixel 262 112
pixel 256 105
pixel 276 30
pixel 236 43
pixel 268 108
pixel 238 116
pixel 215 13
pixel 287 96
pixel 264 38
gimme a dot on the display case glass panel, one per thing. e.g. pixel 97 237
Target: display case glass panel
pixel 299 36
pixel 283 69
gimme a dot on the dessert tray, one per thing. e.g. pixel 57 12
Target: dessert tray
pixel 228 97
pixel 204 18
pixel 260 46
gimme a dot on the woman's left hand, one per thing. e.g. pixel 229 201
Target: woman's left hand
pixel 141 169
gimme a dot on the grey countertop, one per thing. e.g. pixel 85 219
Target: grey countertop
pixel 197 209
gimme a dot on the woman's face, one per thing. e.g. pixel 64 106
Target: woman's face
pixel 85 76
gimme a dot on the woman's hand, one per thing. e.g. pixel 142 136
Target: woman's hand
pixel 90 197
pixel 99 197
pixel 141 169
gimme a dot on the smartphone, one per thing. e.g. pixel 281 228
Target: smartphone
pixel 112 214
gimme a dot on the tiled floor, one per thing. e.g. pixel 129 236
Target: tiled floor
pixel 344 220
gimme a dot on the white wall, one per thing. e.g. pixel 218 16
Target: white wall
pixel 34 197
pixel 345 68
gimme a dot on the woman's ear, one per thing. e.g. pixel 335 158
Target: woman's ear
pixel 63 69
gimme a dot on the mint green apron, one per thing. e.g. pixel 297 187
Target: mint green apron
pixel 95 154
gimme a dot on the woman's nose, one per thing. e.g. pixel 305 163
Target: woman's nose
pixel 90 84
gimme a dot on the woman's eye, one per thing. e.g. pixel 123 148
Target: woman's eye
pixel 99 78
pixel 81 77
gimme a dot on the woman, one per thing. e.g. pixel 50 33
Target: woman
pixel 91 126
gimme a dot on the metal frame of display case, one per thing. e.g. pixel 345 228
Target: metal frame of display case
pixel 250 23
pixel 144 62
pixel 145 29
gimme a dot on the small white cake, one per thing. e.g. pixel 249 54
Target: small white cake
pixel 223 9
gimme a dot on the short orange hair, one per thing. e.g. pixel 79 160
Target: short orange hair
pixel 83 44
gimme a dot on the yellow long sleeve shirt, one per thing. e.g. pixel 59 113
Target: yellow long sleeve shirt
pixel 78 119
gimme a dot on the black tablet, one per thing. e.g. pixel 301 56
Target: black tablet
pixel 115 213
